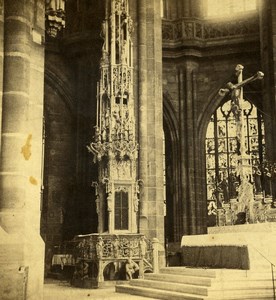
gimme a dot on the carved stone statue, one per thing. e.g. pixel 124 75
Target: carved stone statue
pixel 116 248
pixel 143 246
pixel 257 181
pixel 99 247
pixel 267 183
pixel 233 185
pixel 81 270
pixel 131 268
pixel 225 188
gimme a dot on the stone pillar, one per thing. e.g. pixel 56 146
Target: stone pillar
pixel 189 111
pixel 173 9
pixel 150 119
pixel 142 123
pixel 1 59
pixel 155 255
pixel 197 8
pixel 21 248
pixel 183 154
pixel 268 57
pixel 190 8
pixel 179 7
pixel 186 8
pixel 192 200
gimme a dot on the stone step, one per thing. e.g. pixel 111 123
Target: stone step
pixel 168 295
pixel 189 271
pixel 155 293
pixel 240 293
pixel 191 283
pixel 170 286
pixel 234 273
pixel 177 278
pixel 243 297
pixel 244 289
pixel 242 284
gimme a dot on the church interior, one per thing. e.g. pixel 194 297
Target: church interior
pixel 143 142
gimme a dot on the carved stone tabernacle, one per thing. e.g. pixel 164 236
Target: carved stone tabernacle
pixel 114 144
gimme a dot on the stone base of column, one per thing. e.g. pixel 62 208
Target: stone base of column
pixel 21 266
pixel 161 258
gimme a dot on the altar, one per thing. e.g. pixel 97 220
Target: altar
pixel 246 247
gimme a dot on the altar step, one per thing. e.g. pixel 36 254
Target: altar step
pixel 181 283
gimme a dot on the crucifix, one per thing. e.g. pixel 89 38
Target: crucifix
pixel 244 169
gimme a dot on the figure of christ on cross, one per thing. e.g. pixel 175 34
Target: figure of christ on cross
pixel 244 170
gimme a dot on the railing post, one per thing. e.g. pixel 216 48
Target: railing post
pixel 155 246
pixel 273 284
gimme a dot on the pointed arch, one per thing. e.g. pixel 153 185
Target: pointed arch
pixel 169 116
pixel 214 100
pixel 61 88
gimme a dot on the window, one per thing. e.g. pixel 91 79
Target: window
pixel 121 210
pixel 229 7
pixel 221 153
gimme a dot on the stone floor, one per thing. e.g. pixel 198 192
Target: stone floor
pixel 61 290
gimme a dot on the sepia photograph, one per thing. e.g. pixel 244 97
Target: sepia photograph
pixel 138 149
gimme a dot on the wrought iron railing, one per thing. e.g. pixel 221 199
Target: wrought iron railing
pixel 272 266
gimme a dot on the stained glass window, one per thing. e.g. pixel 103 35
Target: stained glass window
pixel 222 153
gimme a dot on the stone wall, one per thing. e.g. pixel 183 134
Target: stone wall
pixel 59 200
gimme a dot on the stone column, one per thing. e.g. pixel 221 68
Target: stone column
pixel 197 8
pixel 21 248
pixel 1 59
pixel 183 154
pixel 191 8
pixel 142 114
pixel 192 200
pixel 179 7
pixel 173 9
pixel 190 137
pixel 150 119
pixel 268 56
pixel 186 8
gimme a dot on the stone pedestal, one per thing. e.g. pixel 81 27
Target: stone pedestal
pixel 257 239
pixel 21 266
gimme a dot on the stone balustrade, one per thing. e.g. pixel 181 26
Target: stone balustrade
pixel 192 29
pixel 105 255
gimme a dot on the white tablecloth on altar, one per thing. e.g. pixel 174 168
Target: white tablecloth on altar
pixel 63 260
